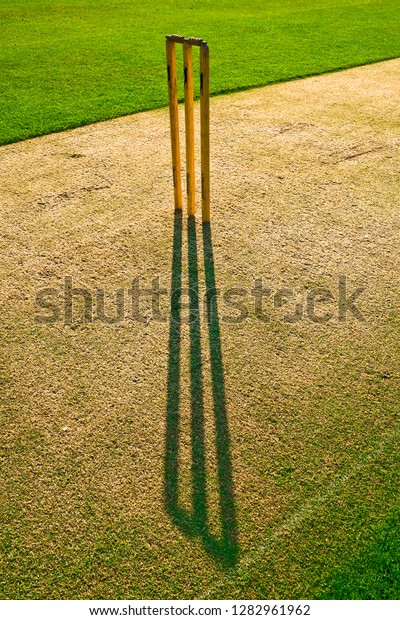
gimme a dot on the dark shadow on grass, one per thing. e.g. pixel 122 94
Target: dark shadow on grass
pixel 223 548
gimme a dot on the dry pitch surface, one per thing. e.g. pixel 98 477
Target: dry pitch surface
pixel 104 493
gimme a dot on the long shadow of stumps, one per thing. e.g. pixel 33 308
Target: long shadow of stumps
pixel 174 367
pixel 226 493
pixel 195 523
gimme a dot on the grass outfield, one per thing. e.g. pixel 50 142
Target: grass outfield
pixel 161 458
pixel 71 62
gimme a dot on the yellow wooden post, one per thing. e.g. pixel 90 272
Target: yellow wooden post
pixel 205 131
pixel 189 126
pixel 174 122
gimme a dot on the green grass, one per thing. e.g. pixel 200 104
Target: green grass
pixel 374 573
pixel 344 544
pixel 72 62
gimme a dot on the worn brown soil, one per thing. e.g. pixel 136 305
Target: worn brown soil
pixel 305 188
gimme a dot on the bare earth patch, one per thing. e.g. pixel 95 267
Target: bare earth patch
pixel 104 492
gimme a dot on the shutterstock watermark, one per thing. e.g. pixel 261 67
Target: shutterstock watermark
pixel 143 302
